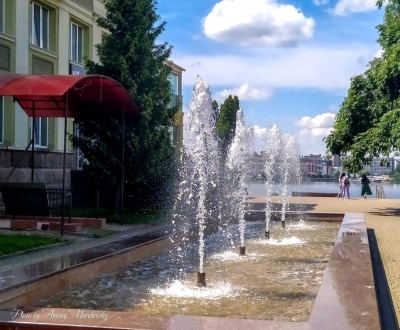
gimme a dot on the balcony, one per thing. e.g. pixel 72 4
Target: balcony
pixel 85 3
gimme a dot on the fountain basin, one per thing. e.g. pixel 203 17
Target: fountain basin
pixel 345 300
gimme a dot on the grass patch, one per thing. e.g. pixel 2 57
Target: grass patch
pixel 129 218
pixel 16 242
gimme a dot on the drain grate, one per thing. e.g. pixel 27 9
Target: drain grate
pixel 387 314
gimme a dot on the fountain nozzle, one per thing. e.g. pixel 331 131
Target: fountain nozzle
pixel 201 279
pixel 242 251
pixel 283 224
pixel 267 234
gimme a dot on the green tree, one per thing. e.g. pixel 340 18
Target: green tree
pixel 226 123
pixel 130 55
pixel 362 172
pixel 368 122
pixel 396 174
pixel 215 107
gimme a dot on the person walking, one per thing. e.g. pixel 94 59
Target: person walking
pixel 341 191
pixel 346 186
pixel 365 189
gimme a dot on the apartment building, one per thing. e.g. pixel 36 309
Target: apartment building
pixel 51 37
pixel 375 168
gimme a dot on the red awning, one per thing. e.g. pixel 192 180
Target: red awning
pixel 49 96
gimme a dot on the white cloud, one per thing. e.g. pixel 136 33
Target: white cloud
pixel 317 124
pixel 379 53
pixel 321 2
pixel 310 140
pixel 313 131
pixel 247 92
pixel 257 22
pixel 324 67
pixel 347 7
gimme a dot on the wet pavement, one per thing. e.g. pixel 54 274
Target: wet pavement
pixel 346 300
pixel 18 269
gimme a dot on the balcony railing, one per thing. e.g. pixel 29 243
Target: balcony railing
pixel 85 3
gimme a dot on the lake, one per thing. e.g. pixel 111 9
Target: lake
pixel 392 190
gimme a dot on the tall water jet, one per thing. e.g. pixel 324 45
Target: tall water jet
pixel 237 162
pixel 272 152
pixel 289 155
pixel 202 149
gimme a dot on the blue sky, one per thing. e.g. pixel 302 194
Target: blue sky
pixel 290 62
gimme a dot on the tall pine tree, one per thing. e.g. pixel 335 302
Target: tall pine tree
pixel 226 124
pixel 130 55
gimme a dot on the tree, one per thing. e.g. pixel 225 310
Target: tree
pixel 396 174
pixel 129 54
pixel 226 123
pixel 362 172
pixel 368 122
pixel 216 108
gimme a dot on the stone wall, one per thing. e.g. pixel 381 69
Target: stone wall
pixel 48 166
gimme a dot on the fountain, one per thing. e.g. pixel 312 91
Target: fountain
pixel 168 279
pixel 277 280
pixel 237 161
pixel 272 150
pixel 202 153
pixel 289 159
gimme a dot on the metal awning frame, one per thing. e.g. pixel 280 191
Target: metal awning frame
pixel 67 95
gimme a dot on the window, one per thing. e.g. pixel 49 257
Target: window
pixel 1 119
pixel 2 14
pixel 5 58
pixel 40 26
pixel 76 43
pixel 41 129
pixel 173 80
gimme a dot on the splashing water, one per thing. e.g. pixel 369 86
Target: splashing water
pixel 273 150
pixel 232 256
pixel 237 161
pixel 203 152
pixel 284 241
pixel 290 156
pixel 181 289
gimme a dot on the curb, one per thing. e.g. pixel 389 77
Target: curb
pixel 40 248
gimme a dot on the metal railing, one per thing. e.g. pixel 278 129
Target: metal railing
pixel 54 207
pixel 54 197
pixel 380 192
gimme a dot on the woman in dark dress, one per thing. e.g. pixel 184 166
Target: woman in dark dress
pixel 365 189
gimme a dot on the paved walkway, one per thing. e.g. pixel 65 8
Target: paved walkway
pixel 382 215
pixel 19 267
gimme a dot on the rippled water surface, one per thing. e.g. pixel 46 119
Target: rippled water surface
pixel 278 279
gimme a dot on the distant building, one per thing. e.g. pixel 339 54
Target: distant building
pixel 396 163
pixel 308 167
pixel 337 160
pixel 311 158
pixel 311 163
pixel 326 169
pixel 375 167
